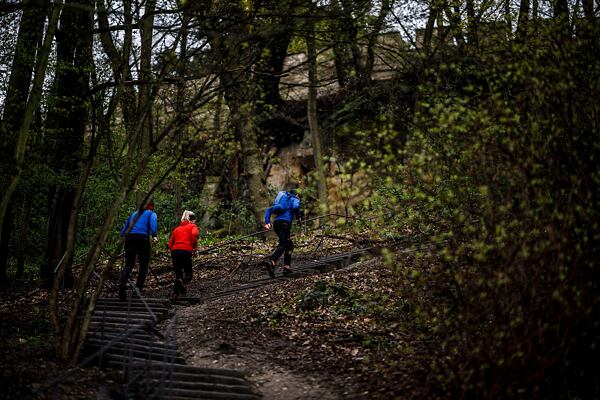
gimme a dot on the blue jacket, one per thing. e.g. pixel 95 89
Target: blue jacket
pixel 145 225
pixel 284 208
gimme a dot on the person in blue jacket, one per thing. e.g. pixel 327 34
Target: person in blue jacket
pixel 286 207
pixel 137 244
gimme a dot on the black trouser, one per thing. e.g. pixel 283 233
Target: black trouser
pixel 285 246
pixel 182 265
pixel 136 246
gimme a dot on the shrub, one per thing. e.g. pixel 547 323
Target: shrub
pixel 501 174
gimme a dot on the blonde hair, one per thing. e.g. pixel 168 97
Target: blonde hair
pixel 188 216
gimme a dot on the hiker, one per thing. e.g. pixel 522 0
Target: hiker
pixel 285 207
pixel 183 242
pixel 137 244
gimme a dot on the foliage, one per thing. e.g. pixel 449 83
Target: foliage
pixel 501 175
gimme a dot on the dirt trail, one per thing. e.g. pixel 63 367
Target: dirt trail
pixel 205 341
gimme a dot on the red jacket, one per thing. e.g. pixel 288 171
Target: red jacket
pixel 184 237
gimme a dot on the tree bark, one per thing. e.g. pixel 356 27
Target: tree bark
pixel 30 33
pixel 236 52
pixel 453 15
pixel 349 25
pixel 373 35
pixel 6 228
pixel 588 9
pixel 14 175
pixel 428 35
pixel 245 122
pixel 119 62
pixel 271 66
pixel 341 52
pixel 28 37
pixel 523 20
pixel 313 121
pixel 472 35
pixel 22 236
pixel 67 123
pixel 180 101
pixel 145 101
pixel 508 16
pixel 561 9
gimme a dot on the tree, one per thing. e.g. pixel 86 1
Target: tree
pixel 30 32
pixel 313 121
pixel 22 136
pixel 66 122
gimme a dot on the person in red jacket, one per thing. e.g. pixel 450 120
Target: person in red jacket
pixel 183 242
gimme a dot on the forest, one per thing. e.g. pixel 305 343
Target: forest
pixel 448 149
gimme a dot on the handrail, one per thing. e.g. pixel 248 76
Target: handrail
pixel 261 232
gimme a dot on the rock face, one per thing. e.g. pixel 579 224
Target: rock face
pixel 292 164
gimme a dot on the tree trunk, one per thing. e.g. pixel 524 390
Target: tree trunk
pixel 22 236
pixel 67 124
pixel 523 21
pixel 271 66
pixel 341 53
pixel 453 15
pixel 30 33
pixel 588 9
pixel 313 121
pixel 119 62
pixel 180 97
pixel 241 95
pixel 472 35
pixel 561 9
pixel 349 25
pixel 373 35
pixel 145 100
pixel 252 163
pixel 69 246
pixel 4 244
pixel 429 28
pixel 14 175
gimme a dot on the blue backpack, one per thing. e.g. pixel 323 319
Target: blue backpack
pixel 284 201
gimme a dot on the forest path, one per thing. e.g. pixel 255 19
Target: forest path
pixel 219 332
pixel 200 340
pixel 206 340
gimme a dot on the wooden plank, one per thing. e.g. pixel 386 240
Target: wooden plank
pixel 122 307
pixel 147 341
pixel 197 386
pixel 121 319
pixel 170 393
pixel 125 355
pixel 142 363
pixel 192 377
pixel 128 345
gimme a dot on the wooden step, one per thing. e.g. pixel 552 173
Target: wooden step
pixel 177 367
pixel 193 377
pixel 197 386
pixel 126 356
pixel 171 393
pixel 99 338
pixel 128 345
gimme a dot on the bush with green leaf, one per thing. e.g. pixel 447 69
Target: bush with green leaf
pixel 501 174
